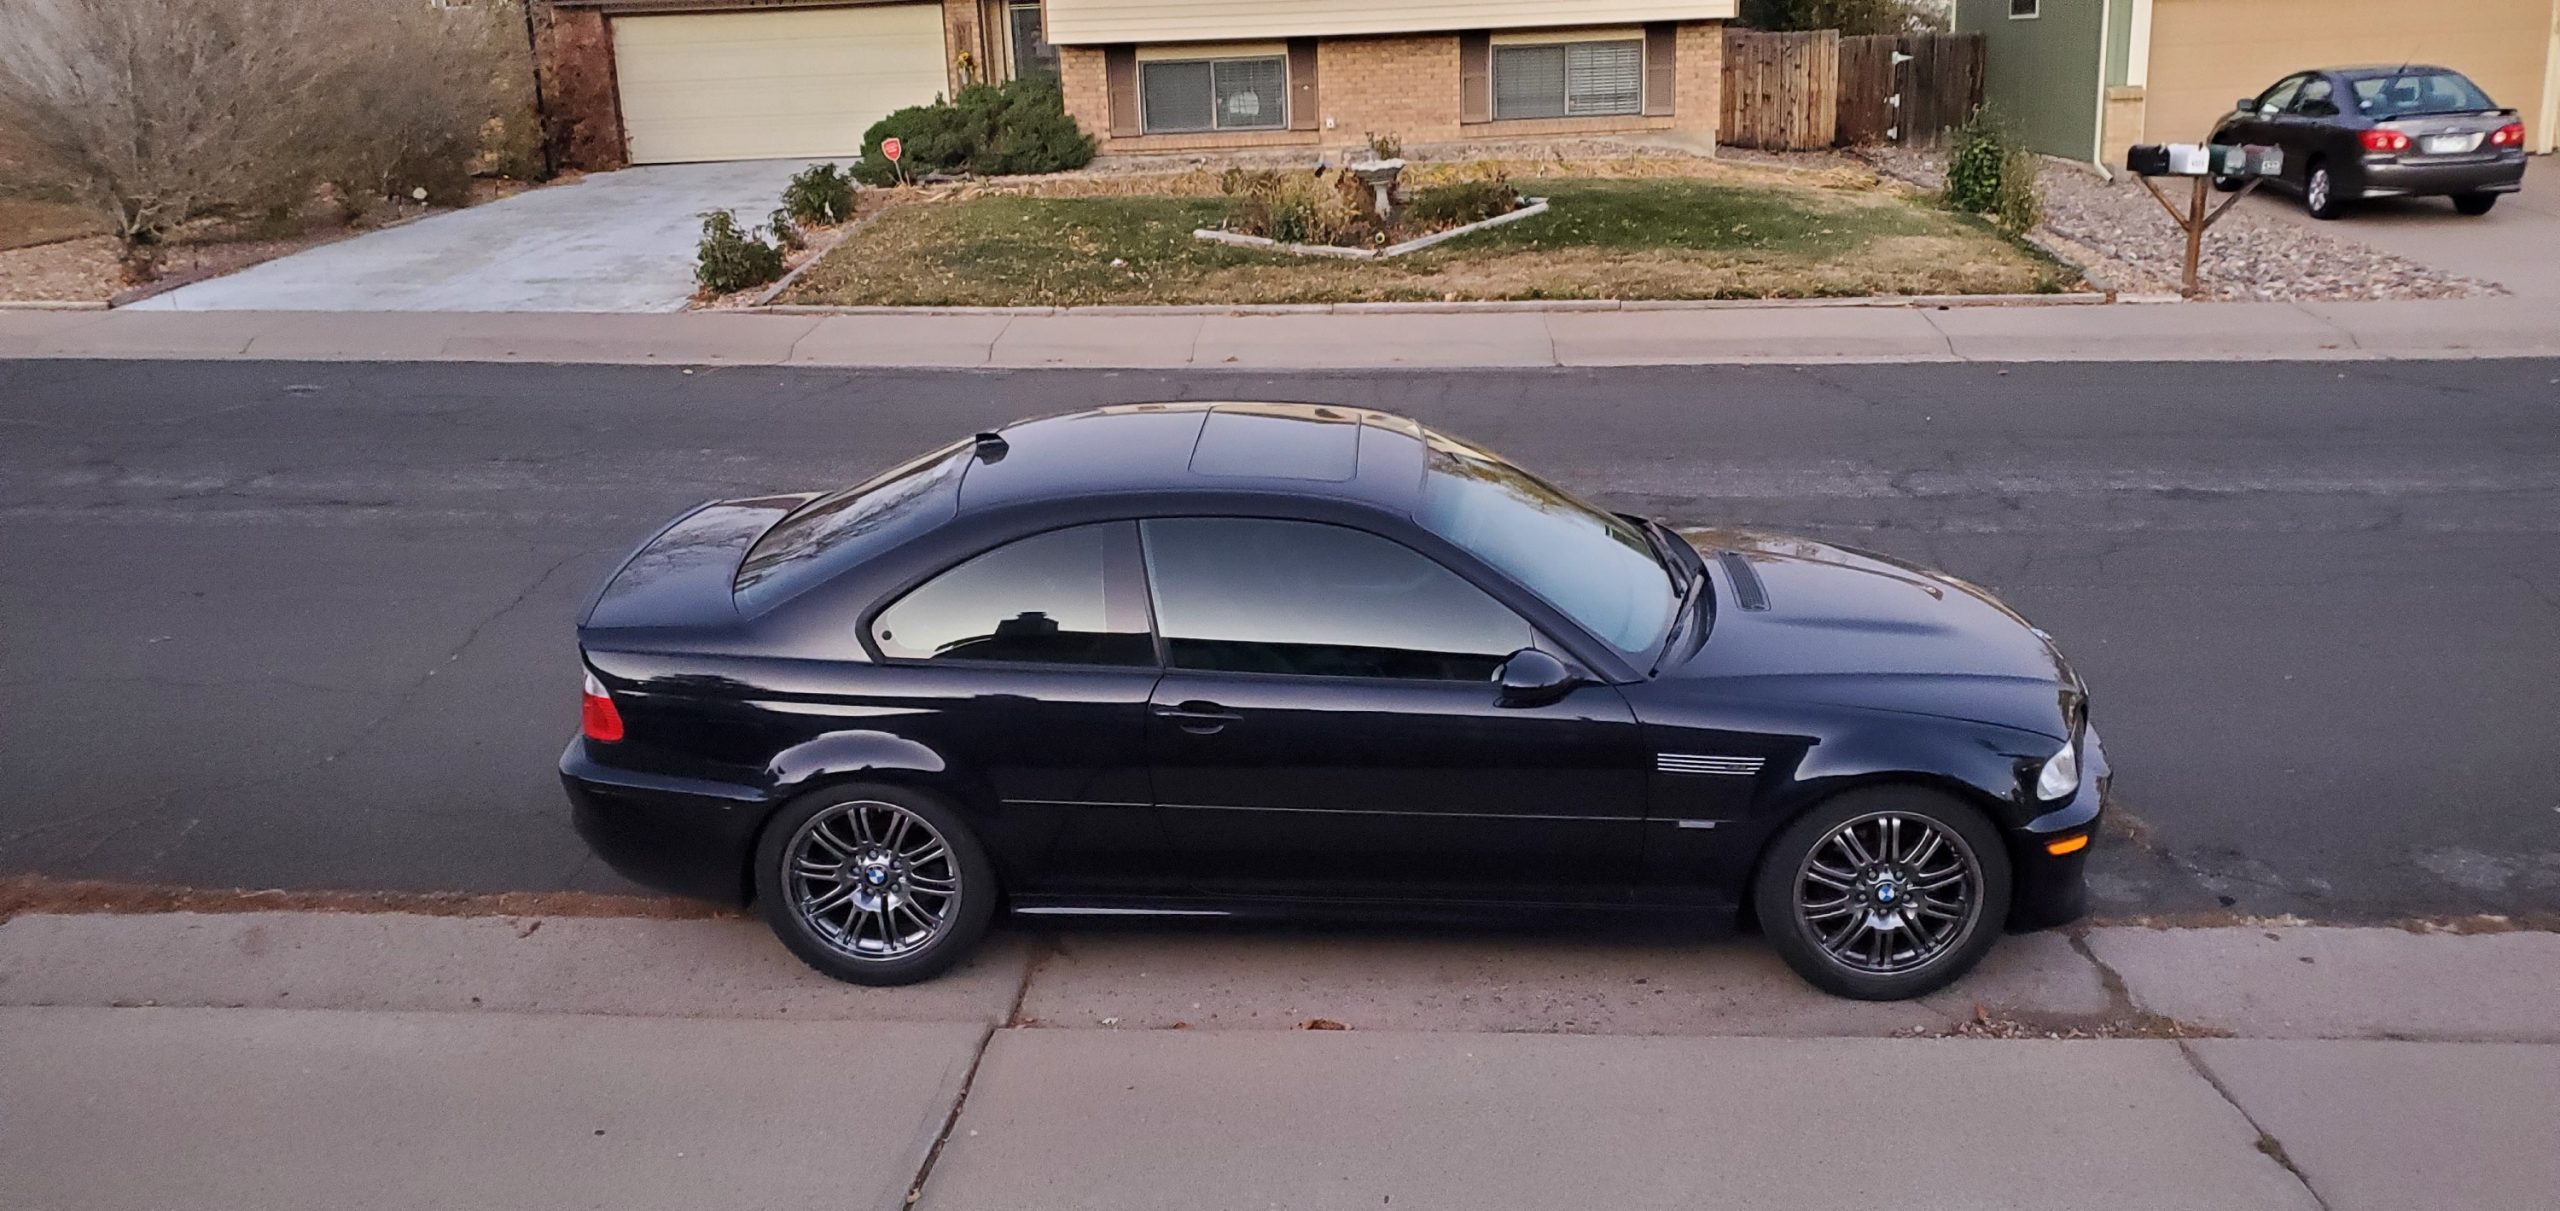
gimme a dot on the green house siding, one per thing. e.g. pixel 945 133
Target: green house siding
pixel 2045 74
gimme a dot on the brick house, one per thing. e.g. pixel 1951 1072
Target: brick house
pixel 661 81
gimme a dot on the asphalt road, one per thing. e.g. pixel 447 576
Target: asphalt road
pixel 308 625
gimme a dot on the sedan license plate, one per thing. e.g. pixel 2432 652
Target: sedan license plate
pixel 2445 145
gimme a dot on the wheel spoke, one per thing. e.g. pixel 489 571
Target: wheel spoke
pixel 823 870
pixel 1831 877
pixel 932 886
pixel 1856 849
pixel 1927 849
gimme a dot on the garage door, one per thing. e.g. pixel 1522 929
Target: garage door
pixel 2206 53
pixel 778 84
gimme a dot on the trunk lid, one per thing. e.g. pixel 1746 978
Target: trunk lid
pixel 684 575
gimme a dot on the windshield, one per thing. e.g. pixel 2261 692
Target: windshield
pixel 2429 92
pixel 1596 567
pixel 846 527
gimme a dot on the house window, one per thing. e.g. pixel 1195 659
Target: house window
pixel 2022 10
pixel 1032 54
pixel 1176 95
pixel 1571 79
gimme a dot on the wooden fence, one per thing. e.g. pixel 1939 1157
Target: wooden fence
pixel 1781 91
pixel 1797 91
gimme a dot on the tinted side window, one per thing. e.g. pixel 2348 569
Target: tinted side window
pixel 1241 595
pixel 2274 100
pixel 1044 599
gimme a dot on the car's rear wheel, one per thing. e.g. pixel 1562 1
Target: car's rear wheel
pixel 2474 203
pixel 1884 893
pixel 2227 184
pixel 2320 194
pixel 874 884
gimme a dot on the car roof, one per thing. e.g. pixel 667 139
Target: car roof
pixel 2370 70
pixel 1200 447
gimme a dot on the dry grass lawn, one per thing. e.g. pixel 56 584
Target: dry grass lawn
pixel 1658 228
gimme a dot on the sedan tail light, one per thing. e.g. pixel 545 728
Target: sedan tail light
pixel 2384 140
pixel 2509 135
pixel 597 718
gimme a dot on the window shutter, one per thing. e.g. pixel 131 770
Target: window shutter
pixel 1120 80
pixel 1661 67
pixel 1475 77
pixel 1302 84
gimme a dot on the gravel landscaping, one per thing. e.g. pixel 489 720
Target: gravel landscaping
pixel 2127 243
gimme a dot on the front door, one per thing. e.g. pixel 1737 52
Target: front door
pixel 1327 726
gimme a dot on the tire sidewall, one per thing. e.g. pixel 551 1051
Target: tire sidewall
pixel 1773 891
pixel 978 891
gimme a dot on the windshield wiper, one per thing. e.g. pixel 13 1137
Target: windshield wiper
pixel 1689 573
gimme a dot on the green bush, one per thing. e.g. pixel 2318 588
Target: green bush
pixel 1296 207
pixel 1977 152
pixel 786 230
pixel 1020 126
pixel 818 196
pixel 731 259
pixel 1462 202
pixel 2017 204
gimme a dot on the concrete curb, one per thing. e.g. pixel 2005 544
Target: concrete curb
pixel 1484 306
pixel 51 305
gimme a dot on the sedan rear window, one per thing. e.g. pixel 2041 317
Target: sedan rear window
pixel 844 528
pixel 2434 92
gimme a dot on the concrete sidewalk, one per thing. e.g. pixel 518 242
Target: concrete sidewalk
pixel 1337 338
pixel 289 1060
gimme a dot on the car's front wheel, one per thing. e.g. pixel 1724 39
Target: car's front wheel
pixel 874 884
pixel 2320 194
pixel 2474 203
pixel 1884 893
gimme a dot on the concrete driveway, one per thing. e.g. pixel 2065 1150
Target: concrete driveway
pixel 2516 245
pixel 615 241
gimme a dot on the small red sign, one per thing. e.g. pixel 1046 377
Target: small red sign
pixel 889 149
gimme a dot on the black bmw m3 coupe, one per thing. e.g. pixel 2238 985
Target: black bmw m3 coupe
pixel 1252 659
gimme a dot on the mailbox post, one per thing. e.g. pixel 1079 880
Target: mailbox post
pixel 2249 163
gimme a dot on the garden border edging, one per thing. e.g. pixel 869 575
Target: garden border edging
pixel 1532 208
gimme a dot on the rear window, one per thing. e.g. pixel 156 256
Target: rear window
pixel 2432 92
pixel 844 528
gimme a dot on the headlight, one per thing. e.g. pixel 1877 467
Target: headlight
pixel 2061 776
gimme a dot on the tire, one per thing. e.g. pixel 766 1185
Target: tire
pixel 2227 184
pixel 2320 193
pixel 1921 952
pixel 2474 203
pixel 895 847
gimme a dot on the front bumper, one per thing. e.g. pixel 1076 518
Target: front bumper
pixel 2398 179
pixel 2046 890
pixel 679 835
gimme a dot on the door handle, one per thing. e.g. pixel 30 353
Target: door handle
pixel 1196 716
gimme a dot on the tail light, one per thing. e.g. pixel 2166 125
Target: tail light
pixel 2509 135
pixel 597 718
pixel 2384 140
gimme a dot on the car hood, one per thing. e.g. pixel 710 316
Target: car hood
pixel 1814 621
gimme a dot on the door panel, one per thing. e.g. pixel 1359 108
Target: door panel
pixel 776 84
pixel 1386 789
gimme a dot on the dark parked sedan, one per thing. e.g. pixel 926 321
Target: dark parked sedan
pixel 2350 133
pixel 1219 660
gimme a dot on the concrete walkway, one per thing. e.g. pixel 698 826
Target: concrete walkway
pixel 615 241
pixel 291 1060
pixel 1339 338
pixel 2516 244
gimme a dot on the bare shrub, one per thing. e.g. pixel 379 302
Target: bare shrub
pixel 152 113
pixel 155 112
pixel 425 90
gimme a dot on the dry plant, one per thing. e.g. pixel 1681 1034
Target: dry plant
pixel 152 113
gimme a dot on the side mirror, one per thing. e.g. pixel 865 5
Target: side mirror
pixel 2246 105
pixel 1530 677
